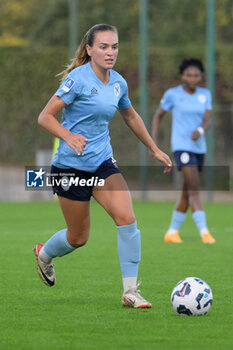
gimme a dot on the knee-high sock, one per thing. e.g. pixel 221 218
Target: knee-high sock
pixel 177 220
pixel 58 245
pixel 129 249
pixel 199 218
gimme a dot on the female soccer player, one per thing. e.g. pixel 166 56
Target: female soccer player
pixel 89 96
pixel 191 108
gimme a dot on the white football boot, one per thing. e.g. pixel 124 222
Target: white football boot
pixel 132 298
pixel 45 271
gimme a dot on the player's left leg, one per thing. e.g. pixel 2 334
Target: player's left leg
pixel 191 176
pixel 115 198
pixel 178 217
pixel 182 204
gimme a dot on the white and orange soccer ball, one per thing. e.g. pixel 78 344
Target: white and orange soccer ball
pixel 191 296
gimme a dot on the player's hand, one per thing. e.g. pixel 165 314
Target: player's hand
pixel 163 158
pixel 77 142
pixel 195 135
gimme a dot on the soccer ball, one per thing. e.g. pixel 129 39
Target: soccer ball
pixel 191 296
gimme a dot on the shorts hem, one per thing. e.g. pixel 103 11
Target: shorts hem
pixel 64 195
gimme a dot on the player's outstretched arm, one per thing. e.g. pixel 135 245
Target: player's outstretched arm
pixel 155 126
pixel 135 123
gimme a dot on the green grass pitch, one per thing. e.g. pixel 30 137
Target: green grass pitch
pixel 83 310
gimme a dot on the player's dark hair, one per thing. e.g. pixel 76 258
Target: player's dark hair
pixel 191 62
pixel 81 56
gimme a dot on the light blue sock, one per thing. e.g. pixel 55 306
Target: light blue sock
pixel 129 249
pixel 199 218
pixel 58 245
pixel 177 220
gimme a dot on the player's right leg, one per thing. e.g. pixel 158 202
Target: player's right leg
pixel 180 213
pixel 45 270
pixel 115 198
pixel 77 216
pixel 191 176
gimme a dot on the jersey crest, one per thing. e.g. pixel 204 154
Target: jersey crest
pixel 117 89
pixel 201 98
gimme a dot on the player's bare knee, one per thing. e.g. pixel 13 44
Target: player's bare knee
pixel 78 240
pixel 124 219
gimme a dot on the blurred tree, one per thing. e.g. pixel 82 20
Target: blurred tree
pixel 170 22
pixel 17 20
pixel 51 27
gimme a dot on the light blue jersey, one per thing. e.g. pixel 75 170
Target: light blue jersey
pixel 187 115
pixel 90 106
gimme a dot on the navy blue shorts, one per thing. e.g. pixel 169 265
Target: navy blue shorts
pixel 76 184
pixel 184 158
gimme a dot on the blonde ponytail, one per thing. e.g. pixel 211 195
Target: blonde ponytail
pixel 81 57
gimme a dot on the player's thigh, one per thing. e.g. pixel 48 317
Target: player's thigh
pixel 115 198
pixel 191 177
pixel 77 215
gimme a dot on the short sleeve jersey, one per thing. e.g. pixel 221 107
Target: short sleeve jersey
pixel 187 115
pixel 90 106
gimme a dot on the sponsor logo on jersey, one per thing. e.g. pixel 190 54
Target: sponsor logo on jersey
pixel 117 89
pixel 94 91
pixel 201 98
pixel 68 85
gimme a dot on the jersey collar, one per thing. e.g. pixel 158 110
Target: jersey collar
pixel 97 79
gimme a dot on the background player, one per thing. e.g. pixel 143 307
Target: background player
pixel 191 109
pixel 89 97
